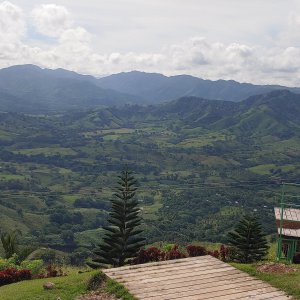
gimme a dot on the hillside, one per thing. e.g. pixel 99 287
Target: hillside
pixel 201 164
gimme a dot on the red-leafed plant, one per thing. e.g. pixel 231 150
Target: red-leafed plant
pixel 12 275
pixel 225 253
pixel 215 253
pixel 149 255
pixel 193 250
pixel 174 253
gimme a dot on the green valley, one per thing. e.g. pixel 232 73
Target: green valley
pixel 201 164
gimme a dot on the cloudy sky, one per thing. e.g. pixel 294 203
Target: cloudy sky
pixel 248 41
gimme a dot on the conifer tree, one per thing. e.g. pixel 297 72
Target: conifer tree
pixel 122 238
pixel 248 240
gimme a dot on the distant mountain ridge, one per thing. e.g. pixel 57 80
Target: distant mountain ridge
pixel 158 88
pixel 30 89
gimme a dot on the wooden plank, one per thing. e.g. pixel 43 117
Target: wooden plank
pixel 206 293
pixel 171 276
pixel 168 272
pixel 146 269
pixel 277 295
pixel 195 278
pixel 215 285
pixel 231 294
pixel 165 262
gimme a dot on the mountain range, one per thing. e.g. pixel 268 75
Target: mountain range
pixel 31 89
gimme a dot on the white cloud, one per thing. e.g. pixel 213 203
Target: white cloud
pixel 74 47
pixel 12 25
pixel 51 19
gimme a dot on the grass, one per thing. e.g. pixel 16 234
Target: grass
pixel 288 282
pixel 114 288
pixel 67 288
pixel 47 151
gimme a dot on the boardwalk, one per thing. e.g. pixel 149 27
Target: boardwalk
pixel 194 278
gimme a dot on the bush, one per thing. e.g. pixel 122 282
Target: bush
pixel 53 270
pixel 296 259
pixel 149 255
pixel 35 266
pixel 12 275
pixel 174 253
pixel 8 262
pixel 215 253
pixel 193 250
pixel 96 281
pixel 226 253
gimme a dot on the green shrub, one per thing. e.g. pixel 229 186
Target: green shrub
pixel 35 266
pixel 96 281
pixel 7 263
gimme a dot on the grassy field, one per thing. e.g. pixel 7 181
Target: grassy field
pixel 67 288
pixel 288 282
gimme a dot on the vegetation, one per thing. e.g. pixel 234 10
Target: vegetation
pixel 248 240
pixel 201 165
pixel 66 287
pixel 9 242
pixel 121 240
pixel 288 282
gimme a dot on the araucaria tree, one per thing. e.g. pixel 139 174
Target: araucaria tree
pixel 122 239
pixel 248 240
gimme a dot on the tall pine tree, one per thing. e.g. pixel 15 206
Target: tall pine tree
pixel 122 238
pixel 248 240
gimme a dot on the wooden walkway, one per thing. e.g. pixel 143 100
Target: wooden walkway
pixel 194 278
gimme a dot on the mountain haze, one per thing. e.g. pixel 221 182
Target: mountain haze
pixel 156 88
pixel 30 89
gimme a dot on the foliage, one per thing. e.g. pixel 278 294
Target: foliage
pixel 53 270
pixel 174 253
pixel 288 282
pixel 115 288
pixel 121 240
pixel 149 255
pixel 66 287
pixel 9 242
pixel 226 253
pixel 35 266
pixel 296 259
pixel 203 164
pixel 193 250
pixel 249 241
pixel 96 281
pixel 12 275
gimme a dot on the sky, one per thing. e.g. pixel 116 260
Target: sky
pixel 248 41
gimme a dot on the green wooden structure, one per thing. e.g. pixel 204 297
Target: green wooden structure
pixel 288 227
